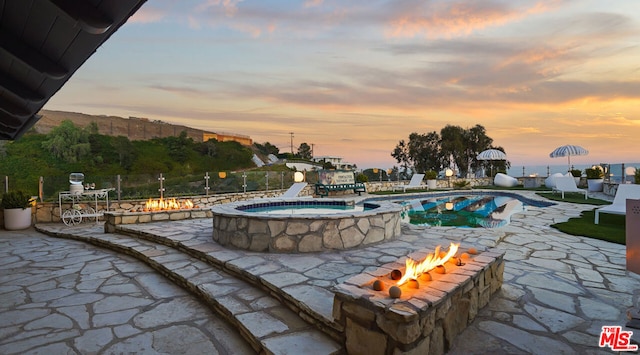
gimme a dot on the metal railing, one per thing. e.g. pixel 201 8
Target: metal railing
pixel 127 187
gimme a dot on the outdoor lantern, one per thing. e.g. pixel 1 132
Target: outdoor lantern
pixel 448 206
pixel 448 173
pixel 222 174
pixel 76 181
pixel 298 176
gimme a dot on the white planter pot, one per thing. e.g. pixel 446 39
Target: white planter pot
pixel 594 185
pixel 432 184
pixel 17 218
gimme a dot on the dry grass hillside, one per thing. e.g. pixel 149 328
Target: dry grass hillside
pixel 133 127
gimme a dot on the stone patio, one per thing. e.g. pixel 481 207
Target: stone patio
pixel 558 290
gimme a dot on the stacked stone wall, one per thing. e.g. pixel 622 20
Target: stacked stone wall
pixel 428 321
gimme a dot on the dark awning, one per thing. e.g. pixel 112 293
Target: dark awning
pixel 42 43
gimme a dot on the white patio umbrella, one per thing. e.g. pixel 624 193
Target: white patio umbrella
pixel 568 151
pixel 491 154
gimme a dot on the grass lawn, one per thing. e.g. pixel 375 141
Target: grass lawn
pixel 572 197
pixel 611 227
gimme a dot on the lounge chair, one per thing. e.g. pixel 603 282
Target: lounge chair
pixel 415 183
pixel 619 206
pixel 567 184
pixel 294 190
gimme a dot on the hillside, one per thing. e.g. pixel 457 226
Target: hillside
pixel 134 128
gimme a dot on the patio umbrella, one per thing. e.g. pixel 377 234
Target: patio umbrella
pixel 568 151
pixel 491 154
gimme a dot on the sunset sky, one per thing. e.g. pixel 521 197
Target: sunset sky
pixel 355 77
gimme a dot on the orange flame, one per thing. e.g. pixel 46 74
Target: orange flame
pixel 415 268
pixel 169 204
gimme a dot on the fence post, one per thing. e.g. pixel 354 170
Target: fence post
pixel 161 189
pixel 118 186
pixel 206 183
pixel 41 188
pixel 266 177
pixel 244 182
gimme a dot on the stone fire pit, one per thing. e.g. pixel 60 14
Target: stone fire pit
pixel 425 320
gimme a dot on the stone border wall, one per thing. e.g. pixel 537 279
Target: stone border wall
pixel 426 321
pixel 112 219
pixel 304 233
pixel 50 211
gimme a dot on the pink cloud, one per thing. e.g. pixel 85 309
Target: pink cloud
pixel 453 19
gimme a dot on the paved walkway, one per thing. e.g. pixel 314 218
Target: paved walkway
pixel 62 296
pixel 558 292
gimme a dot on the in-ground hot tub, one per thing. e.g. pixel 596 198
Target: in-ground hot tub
pixel 304 225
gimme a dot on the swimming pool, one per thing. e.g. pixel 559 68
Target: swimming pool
pixel 472 209
pixel 306 208
pixel 301 225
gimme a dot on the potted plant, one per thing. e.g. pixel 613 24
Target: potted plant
pixel 17 210
pixel 577 174
pixel 431 177
pixel 595 178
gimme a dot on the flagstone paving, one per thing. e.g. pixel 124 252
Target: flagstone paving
pixel 66 297
pixel 558 290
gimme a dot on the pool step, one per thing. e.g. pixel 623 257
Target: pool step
pixel 262 319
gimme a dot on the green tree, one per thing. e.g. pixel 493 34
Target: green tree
pixel 209 148
pixel 454 146
pixel 424 151
pixel 126 152
pixel 304 151
pixel 179 146
pixel 68 142
pixel 267 148
pixel 401 154
pixel 477 141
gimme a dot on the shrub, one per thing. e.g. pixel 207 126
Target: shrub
pixel 576 172
pixel 362 178
pixel 594 173
pixel 430 175
pixel 15 199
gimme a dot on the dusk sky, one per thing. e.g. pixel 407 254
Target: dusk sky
pixel 354 77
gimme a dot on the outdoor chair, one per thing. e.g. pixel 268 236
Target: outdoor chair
pixel 567 184
pixel 294 190
pixel 619 205
pixel 415 183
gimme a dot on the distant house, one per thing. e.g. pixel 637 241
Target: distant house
pixel 227 137
pixel 335 161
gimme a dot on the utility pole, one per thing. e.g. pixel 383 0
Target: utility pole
pixel 291 133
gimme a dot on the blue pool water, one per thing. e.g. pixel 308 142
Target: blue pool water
pixel 474 210
pixel 306 207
